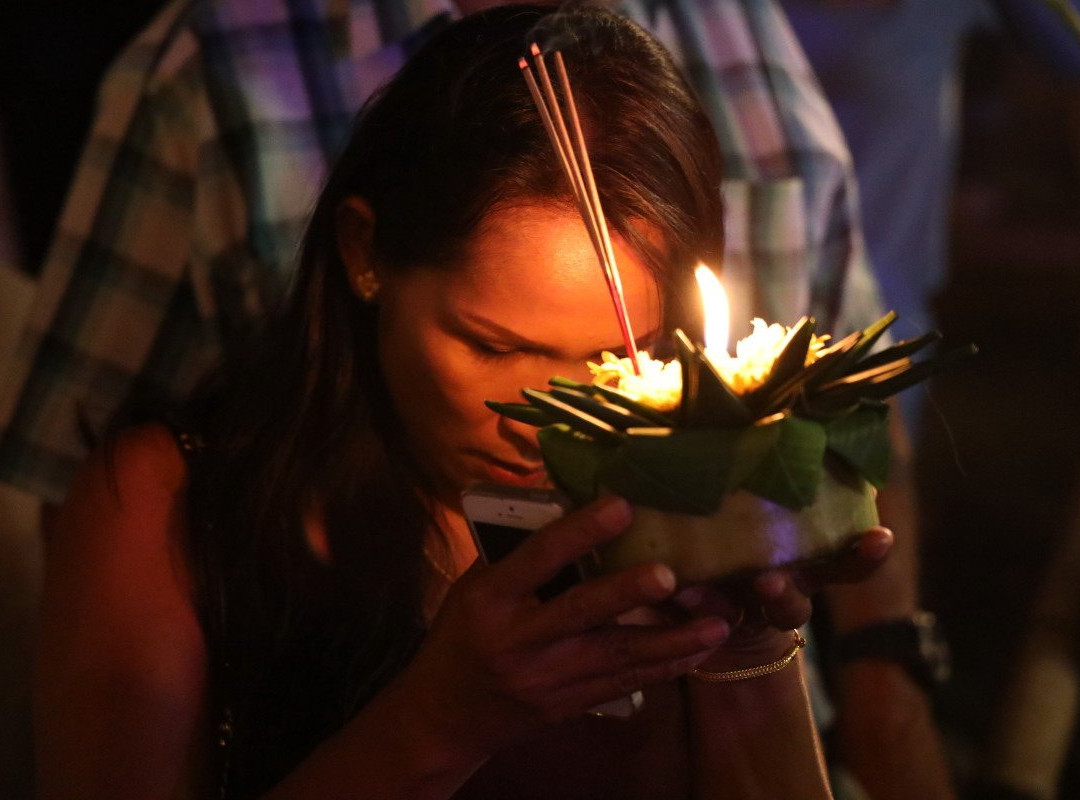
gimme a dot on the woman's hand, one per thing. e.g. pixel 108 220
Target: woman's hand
pixel 738 727
pixel 762 610
pixel 498 663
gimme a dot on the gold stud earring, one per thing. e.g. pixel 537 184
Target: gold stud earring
pixel 367 286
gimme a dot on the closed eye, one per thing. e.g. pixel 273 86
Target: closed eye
pixel 495 352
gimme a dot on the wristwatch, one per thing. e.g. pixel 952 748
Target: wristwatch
pixel 914 642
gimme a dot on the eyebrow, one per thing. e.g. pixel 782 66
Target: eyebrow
pixel 523 341
pixel 493 327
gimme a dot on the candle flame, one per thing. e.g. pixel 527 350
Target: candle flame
pixel 717 311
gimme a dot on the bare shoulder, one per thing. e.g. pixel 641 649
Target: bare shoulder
pixel 120 696
pixel 121 528
pixel 141 465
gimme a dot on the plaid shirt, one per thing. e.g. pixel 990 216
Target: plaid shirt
pixel 213 136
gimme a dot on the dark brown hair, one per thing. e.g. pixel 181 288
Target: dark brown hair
pixel 304 426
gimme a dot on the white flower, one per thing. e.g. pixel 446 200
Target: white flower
pixel 660 383
pixel 755 355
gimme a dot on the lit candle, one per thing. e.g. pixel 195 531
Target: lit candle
pixel 659 383
pixel 717 312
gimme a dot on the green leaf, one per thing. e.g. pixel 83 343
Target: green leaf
pixel 790 362
pixel 886 383
pixel 862 440
pixel 755 443
pixel 616 416
pixel 904 349
pixel 567 383
pixel 800 385
pixel 842 345
pixel 867 378
pixel 578 420
pixel 707 400
pixel 791 470
pixel 855 347
pixel 573 460
pixel 870 336
pixel 685 471
pixel 521 412
pixel 620 398
pixel 831 361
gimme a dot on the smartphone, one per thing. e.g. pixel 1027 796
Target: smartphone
pixel 500 518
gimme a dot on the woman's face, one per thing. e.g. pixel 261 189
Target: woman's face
pixel 528 302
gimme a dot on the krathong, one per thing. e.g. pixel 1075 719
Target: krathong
pixel 732 462
pixel 819 404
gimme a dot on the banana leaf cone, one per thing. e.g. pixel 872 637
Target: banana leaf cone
pixel 728 483
pixel 747 533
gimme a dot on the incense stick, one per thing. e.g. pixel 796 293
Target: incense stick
pixel 560 139
pixel 573 155
pixel 614 278
pixel 561 143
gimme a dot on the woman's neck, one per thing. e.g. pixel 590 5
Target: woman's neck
pixel 449 551
pixel 457 551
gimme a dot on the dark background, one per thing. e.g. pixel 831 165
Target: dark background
pixel 999 462
pixel 52 56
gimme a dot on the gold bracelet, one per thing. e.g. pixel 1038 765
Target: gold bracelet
pixel 753 672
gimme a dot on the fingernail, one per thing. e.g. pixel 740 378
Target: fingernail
pixel 661 578
pixel 878 547
pixel 613 514
pixel 713 631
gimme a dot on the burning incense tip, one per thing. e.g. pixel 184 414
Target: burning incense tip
pixel 534 48
pixel 523 63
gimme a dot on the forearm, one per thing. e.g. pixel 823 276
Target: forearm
pixel 390 750
pixel 755 738
pixel 887 735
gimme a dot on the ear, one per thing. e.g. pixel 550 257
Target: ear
pixel 355 235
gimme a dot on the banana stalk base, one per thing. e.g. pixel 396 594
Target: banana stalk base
pixel 747 533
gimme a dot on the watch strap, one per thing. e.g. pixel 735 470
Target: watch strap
pixel 915 642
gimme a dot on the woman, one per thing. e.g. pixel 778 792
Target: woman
pixel 274 595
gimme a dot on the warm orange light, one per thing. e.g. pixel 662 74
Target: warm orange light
pixel 717 311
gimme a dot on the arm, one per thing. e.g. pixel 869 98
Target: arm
pixel 755 738
pixel 887 735
pixel 120 661
pixel 120 696
pixel 740 729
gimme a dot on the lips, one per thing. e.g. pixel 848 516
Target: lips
pixel 513 473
